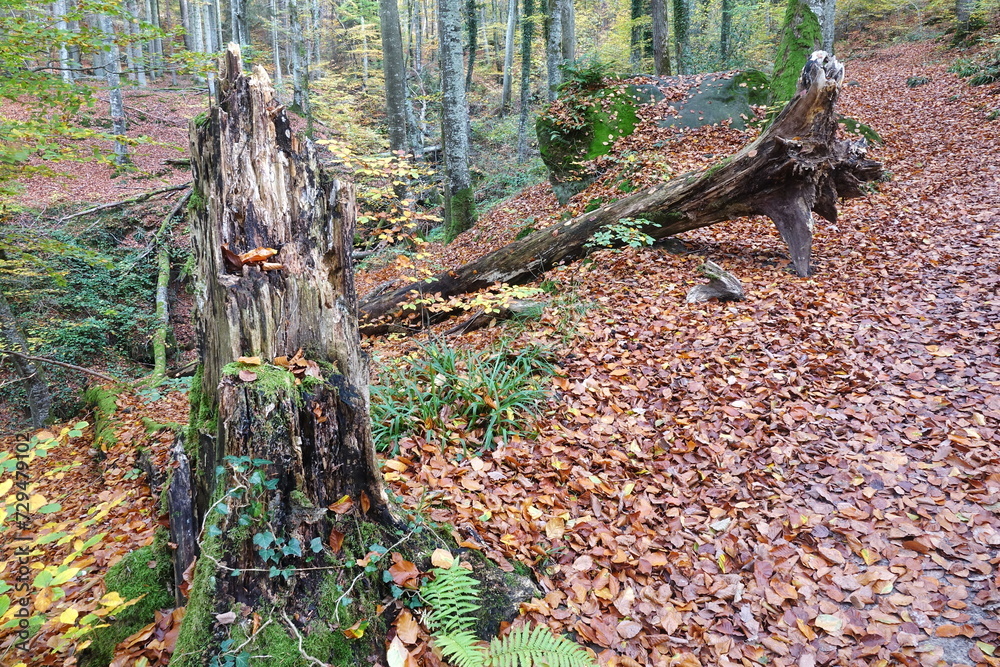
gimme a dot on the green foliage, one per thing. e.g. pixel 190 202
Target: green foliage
pixel 627 231
pixel 980 71
pixel 585 75
pixel 915 81
pixel 453 598
pixel 450 393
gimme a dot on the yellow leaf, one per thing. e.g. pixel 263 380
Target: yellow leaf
pixel 6 486
pixel 43 601
pixel 36 501
pixel 249 361
pixel 64 576
pixel 69 616
pixel 442 558
pixel 112 599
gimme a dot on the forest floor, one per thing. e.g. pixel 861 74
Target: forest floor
pixel 807 477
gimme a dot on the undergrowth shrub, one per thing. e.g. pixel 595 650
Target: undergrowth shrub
pixel 980 71
pixel 447 394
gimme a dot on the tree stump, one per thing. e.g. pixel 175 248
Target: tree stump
pixel 278 439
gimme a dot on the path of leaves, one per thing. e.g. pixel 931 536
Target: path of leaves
pixel 809 477
pixel 80 479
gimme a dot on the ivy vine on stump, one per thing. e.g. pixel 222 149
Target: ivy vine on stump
pixel 257 189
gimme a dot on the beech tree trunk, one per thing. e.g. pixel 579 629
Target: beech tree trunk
pixel 508 57
pixel 394 70
pixel 527 33
pixel 256 186
pixel 661 47
pixel 796 167
pixel 459 200
pixel 553 47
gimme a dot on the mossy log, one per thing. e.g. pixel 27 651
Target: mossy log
pixel 794 168
pixel 305 440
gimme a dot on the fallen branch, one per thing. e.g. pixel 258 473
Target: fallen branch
pixel 794 168
pixel 63 364
pixel 137 199
pixel 162 283
pixel 722 285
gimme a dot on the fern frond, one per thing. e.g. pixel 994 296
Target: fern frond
pixel 537 647
pixel 462 649
pixel 453 597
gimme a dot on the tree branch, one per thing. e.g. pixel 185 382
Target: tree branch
pixel 73 367
pixel 131 200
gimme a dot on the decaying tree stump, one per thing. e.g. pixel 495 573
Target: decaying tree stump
pixel 300 420
pixel 796 167
pixel 722 285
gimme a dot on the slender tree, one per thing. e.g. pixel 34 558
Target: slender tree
pixel 508 57
pixel 59 13
pixel 459 200
pixel 112 76
pixel 568 30
pixel 394 69
pixel 682 43
pixel 661 47
pixel 725 33
pixel 963 14
pixel 527 32
pixel 473 31
pixel 39 397
pixel 553 47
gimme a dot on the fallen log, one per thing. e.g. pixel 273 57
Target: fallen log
pixel 796 167
pixel 137 199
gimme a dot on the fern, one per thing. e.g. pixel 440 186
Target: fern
pixel 462 649
pixel 453 597
pixel 535 647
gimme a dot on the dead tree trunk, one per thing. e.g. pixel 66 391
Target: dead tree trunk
pixel 796 167
pixel 285 435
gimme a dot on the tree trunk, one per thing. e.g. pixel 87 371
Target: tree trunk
pixel 508 57
pixel 59 14
pixel 394 69
pixel 472 28
pixel 527 32
pixel 638 12
pixel 459 200
pixel 725 33
pixel 255 187
pixel 553 47
pixel 568 30
pixel 112 63
pixel 963 13
pixel 801 34
pixel 661 48
pixel 796 167
pixel 238 22
pixel 682 42
pixel 39 398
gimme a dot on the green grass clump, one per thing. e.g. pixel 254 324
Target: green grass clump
pixel 456 393
pixel 133 577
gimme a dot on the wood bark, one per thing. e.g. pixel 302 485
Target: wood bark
pixel 508 57
pixel 682 41
pixel 472 29
pixel 725 33
pixel 527 34
pixel 112 63
pixel 661 47
pixel 553 47
pixel 394 69
pixel 796 167
pixel 39 397
pixel 257 186
pixel 568 30
pixel 459 203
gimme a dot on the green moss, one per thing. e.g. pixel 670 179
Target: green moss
pixel 274 381
pixel 197 201
pixel 203 416
pixel 608 126
pixel 800 36
pixel 133 577
pixel 202 119
pixel 104 402
pixel 460 212
pixel 195 639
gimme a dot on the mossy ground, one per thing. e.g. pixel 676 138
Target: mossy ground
pixel 144 572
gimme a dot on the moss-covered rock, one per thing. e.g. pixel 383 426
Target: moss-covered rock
pixel 585 124
pixel 145 573
pixel 103 400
